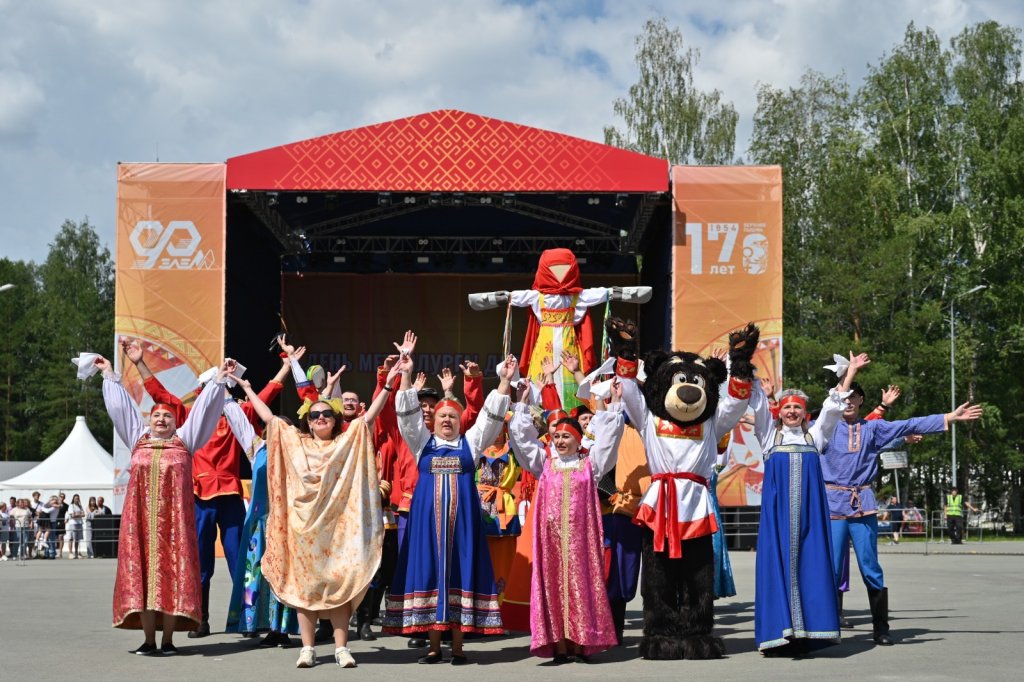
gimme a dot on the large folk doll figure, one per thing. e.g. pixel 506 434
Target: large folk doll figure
pixel 560 317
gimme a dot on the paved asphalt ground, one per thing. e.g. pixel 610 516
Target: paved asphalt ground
pixel 957 611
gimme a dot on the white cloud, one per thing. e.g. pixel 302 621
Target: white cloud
pixel 20 102
pixel 85 85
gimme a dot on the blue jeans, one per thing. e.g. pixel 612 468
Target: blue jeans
pixel 863 531
pixel 25 536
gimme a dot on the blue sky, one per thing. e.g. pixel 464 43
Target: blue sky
pixel 86 85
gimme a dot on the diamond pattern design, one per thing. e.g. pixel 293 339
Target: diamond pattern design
pixel 446 151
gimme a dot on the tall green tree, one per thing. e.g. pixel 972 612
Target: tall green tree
pixel 897 200
pixel 665 114
pixel 19 437
pixel 76 289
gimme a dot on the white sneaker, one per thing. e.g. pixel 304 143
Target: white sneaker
pixel 307 658
pixel 343 657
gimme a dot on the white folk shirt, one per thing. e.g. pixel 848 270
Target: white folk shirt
pixel 671 449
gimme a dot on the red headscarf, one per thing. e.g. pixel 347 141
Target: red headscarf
pixel 546 283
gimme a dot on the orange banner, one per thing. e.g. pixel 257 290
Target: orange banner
pixel 727 271
pixel 170 258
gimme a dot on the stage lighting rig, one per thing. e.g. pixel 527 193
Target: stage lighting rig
pixel 620 200
pixel 384 199
pixel 435 199
pixel 508 199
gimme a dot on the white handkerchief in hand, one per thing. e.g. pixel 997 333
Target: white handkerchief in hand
pixel 239 372
pixel 586 386
pixel 86 364
pixel 839 366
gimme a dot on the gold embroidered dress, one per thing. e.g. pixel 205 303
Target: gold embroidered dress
pixel 325 528
pixel 157 555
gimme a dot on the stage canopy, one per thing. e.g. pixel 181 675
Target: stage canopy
pixel 443 186
pixel 448 151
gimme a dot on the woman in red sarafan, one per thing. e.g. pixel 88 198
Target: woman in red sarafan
pixel 157 582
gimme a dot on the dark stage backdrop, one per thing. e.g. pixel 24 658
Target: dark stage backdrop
pixel 353 320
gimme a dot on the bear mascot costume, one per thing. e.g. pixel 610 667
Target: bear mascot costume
pixel 681 418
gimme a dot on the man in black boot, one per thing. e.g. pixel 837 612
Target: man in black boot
pixel 324 632
pixel 204 628
pixel 879 601
pixel 849 465
pixel 618 617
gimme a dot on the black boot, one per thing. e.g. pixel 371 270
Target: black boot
pixel 324 633
pixel 618 617
pixel 879 601
pixel 844 622
pixel 204 627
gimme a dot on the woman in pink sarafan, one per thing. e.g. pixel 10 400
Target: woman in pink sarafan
pixel 157 582
pixel 569 610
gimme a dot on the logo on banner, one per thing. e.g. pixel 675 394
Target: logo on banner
pixel 705 239
pixel 175 247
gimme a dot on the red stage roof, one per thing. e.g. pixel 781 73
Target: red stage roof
pixel 448 151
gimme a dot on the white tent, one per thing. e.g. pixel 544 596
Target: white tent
pixel 80 465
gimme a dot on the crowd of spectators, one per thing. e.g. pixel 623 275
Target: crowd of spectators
pixel 39 529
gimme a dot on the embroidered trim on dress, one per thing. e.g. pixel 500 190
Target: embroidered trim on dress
pixel 153 508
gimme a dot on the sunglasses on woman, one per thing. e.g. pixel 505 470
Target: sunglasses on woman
pixel 316 414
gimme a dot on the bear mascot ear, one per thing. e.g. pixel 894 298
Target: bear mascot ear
pixel 717 369
pixel 653 360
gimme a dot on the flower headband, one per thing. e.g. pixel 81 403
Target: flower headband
pixel 335 404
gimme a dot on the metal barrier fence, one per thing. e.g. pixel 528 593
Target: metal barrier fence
pixel 29 543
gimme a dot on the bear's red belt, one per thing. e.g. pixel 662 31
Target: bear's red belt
pixel 667 511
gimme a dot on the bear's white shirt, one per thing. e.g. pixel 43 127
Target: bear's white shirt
pixel 695 450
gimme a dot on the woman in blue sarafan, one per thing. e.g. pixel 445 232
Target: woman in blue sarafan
pixel 444 580
pixel 796 604
pixel 253 607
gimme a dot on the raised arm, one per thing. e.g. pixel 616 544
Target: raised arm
pixel 489 423
pixel 832 409
pixel 202 419
pixel 156 390
pixel 240 426
pixel 120 406
pixel 607 426
pixel 381 398
pixel 759 403
pixel 473 390
pixel 262 411
pixel 407 407
pixel 529 451
pixel 133 351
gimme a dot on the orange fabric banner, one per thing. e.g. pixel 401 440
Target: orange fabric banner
pixel 170 257
pixel 727 271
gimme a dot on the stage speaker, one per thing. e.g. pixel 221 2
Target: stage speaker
pixel 105 531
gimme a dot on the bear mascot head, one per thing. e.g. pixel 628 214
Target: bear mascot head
pixel 682 387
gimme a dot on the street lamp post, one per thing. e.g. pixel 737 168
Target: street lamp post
pixel 7 413
pixel 952 367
